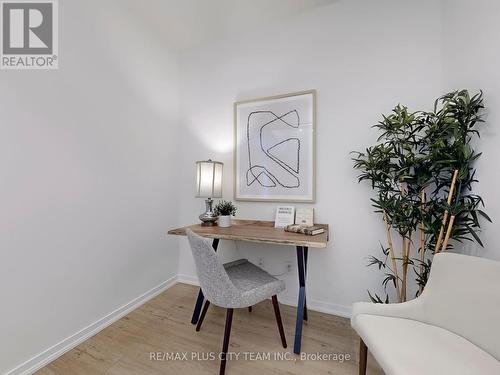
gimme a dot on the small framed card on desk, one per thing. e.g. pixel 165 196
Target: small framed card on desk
pixel 304 216
pixel 285 215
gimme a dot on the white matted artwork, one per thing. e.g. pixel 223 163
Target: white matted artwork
pixel 274 154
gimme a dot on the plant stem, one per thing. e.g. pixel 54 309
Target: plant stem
pixel 391 253
pixel 423 199
pixel 441 232
pixel 448 233
pixel 446 213
pixel 405 251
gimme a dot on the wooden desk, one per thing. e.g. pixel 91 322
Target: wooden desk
pixel 264 232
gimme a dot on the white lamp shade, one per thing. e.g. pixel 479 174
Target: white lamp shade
pixel 209 179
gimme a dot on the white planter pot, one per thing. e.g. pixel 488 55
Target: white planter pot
pixel 224 221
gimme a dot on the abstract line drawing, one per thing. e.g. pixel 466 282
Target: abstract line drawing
pixel 272 163
pixel 274 152
pixel 295 167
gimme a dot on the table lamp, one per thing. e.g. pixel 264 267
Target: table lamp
pixel 208 185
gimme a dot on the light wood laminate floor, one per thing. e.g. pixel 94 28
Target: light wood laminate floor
pixel 163 325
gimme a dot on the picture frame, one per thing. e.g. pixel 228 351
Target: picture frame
pixel 275 148
pixel 285 215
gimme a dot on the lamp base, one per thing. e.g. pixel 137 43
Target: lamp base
pixel 208 218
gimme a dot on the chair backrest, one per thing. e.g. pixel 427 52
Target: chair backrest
pixel 213 278
pixel 463 296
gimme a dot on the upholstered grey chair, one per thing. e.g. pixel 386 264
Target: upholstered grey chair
pixel 239 284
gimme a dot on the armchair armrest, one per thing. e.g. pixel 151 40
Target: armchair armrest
pixel 413 309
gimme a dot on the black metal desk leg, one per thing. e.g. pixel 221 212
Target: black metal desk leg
pixel 306 251
pixel 199 300
pixel 302 299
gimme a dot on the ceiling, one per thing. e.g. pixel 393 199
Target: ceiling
pixel 186 23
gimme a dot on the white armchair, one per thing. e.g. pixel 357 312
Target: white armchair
pixel 452 328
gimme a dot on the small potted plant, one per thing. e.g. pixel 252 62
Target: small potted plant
pixel 225 210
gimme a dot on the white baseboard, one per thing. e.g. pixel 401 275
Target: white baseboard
pixel 314 305
pixel 322 307
pixel 50 354
pixel 187 279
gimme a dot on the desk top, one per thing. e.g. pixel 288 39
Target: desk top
pixel 257 231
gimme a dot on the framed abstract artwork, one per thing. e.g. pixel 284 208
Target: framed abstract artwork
pixel 274 151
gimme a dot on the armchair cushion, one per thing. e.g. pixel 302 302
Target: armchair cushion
pixel 406 346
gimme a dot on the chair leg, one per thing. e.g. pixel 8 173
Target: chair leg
pixel 363 353
pixel 225 345
pixel 249 308
pixel 278 320
pixel 202 316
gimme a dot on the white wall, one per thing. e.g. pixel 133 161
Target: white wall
pixel 363 58
pixel 87 187
pixel 471 59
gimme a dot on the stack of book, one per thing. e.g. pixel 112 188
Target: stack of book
pixel 310 230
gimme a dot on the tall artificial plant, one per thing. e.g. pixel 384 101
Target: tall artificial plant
pixel 422 172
